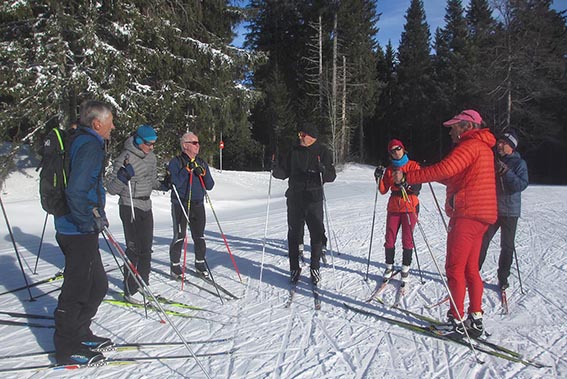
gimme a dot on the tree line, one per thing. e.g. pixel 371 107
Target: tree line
pixel 170 64
pixel 165 63
pixel 505 58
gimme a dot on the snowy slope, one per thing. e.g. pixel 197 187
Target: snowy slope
pixel 270 341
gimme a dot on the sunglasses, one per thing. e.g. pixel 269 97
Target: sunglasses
pixel 149 143
pixel 397 148
pixel 192 142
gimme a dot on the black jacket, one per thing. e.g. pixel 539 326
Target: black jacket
pixel 305 166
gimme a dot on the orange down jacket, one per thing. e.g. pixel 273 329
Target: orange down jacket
pixel 396 203
pixel 468 173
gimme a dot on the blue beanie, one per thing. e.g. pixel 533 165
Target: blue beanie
pixel 145 134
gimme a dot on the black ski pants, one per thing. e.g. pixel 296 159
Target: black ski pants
pixel 301 211
pixel 507 226
pixel 139 234
pixel 197 221
pixel 84 286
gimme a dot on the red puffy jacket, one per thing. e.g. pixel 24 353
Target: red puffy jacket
pixel 396 203
pixel 468 173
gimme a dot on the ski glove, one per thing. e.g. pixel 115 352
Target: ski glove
pixel 501 168
pixel 125 173
pixel 379 172
pixel 100 224
pixel 402 182
pixel 321 167
pixel 196 168
pixel 165 183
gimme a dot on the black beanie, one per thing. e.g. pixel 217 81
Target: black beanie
pixel 511 138
pixel 310 129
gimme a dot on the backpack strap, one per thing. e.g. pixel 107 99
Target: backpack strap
pixel 59 136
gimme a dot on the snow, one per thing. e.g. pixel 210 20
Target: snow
pixel 270 341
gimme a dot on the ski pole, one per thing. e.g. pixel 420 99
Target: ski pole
pixel 518 269
pixel 416 256
pixel 328 223
pixel 220 229
pixel 113 255
pixel 126 162
pixel 124 273
pixel 334 235
pixel 267 216
pixel 16 249
pixel 451 298
pixel 186 239
pixel 40 243
pixel 406 198
pixel 213 280
pixel 438 207
pixel 132 269
pixel 371 232
pixel 185 244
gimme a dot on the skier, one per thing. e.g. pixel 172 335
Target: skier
pixel 401 212
pixel 133 177
pixel 511 180
pixel 85 282
pixel 468 173
pixel 306 165
pixel 189 173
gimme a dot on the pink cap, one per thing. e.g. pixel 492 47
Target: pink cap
pixel 467 115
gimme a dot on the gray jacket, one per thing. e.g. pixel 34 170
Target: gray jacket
pixel 143 181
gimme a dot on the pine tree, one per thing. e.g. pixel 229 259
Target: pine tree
pixel 453 71
pixel 482 53
pixel 175 74
pixel 357 28
pixel 452 59
pixel 415 83
pixel 279 30
pixel 530 69
pixel 383 125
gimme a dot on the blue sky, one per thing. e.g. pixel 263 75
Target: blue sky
pixel 392 20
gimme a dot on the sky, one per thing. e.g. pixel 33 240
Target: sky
pixel 392 20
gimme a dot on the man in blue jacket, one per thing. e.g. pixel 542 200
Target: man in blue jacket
pixel 511 180
pixel 85 283
pixel 190 178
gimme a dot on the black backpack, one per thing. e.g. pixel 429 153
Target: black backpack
pixel 54 172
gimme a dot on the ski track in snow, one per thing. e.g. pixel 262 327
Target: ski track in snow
pixel 270 341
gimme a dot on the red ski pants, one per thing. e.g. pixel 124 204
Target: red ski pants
pixel 393 222
pixel 463 249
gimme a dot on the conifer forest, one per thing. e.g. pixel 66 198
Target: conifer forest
pixel 172 64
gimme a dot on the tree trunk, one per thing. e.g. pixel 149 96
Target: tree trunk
pixel 344 124
pixel 333 110
pixel 321 95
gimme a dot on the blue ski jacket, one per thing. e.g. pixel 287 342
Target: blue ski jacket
pixel 180 175
pixel 85 190
pixel 510 185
